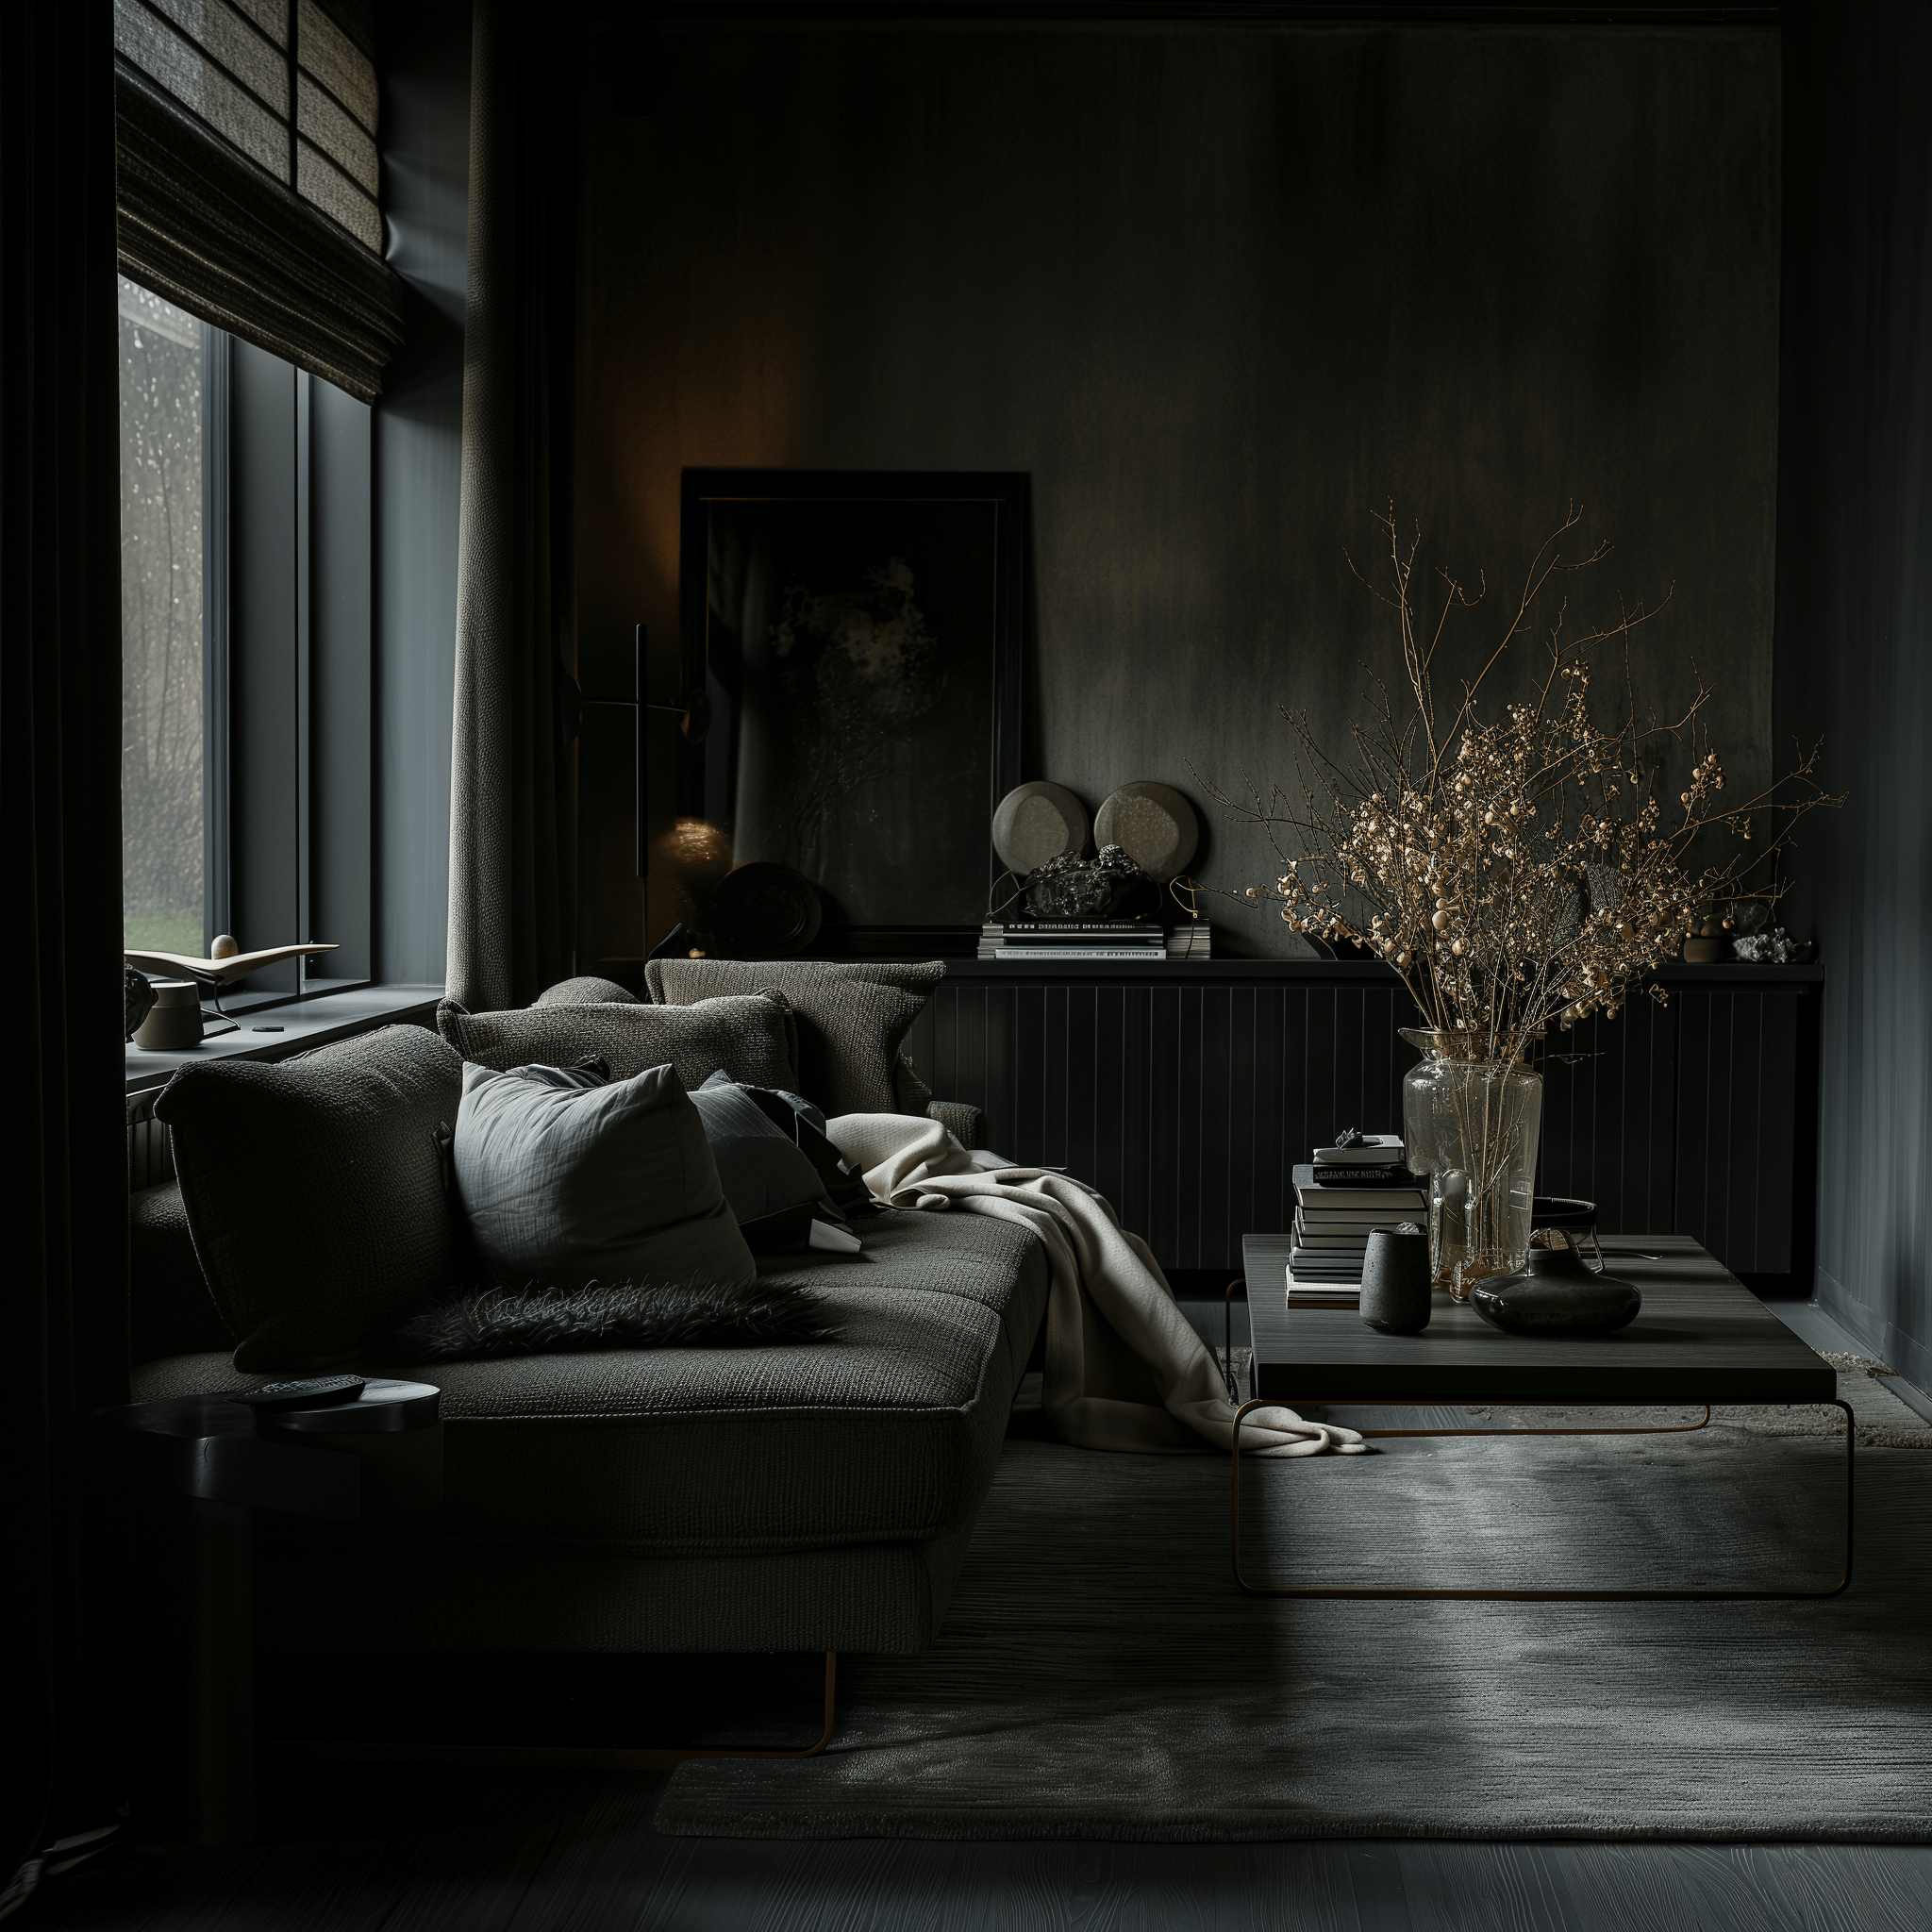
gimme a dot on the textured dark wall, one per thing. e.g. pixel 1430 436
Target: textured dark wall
pixel 1854 625
pixel 1223 295
pixel 425 64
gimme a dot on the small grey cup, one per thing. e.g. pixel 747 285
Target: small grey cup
pixel 1395 1280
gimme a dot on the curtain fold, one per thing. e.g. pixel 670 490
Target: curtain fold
pixel 509 873
pixel 66 1278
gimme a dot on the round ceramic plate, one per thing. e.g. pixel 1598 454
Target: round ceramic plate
pixel 1153 825
pixel 766 911
pixel 1036 821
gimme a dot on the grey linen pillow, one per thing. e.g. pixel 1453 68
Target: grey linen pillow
pixel 563 1184
pixel 313 1191
pixel 852 1019
pixel 751 1038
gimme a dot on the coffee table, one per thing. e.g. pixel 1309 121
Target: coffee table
pixel 1702 1338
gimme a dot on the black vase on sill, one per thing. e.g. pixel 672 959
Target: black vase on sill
pixel 1554 1293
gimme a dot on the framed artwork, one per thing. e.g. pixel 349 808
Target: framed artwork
pixel 859 636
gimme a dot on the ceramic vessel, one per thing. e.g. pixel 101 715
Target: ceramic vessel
pixel 1556 1294
pixel 173 1024
pixel 1395 1280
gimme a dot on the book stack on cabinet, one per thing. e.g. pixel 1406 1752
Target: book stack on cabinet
pixel 1340 1196
pixel 1071 942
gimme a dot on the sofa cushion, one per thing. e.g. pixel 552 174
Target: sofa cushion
pixel 170 1310
pixel 313 1191
pixel 889 1432
pixel 587 989
pixel 750 1036
pixel 564 1183
pixel 852 1019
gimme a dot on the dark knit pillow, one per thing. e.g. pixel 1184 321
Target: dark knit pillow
pixel 773 1188
pixel 313 1191
pixel 170 1310
pixel 803 1126
pixel 478 1323
pixel 586 990
pixel 851 1019
pixel 751 1038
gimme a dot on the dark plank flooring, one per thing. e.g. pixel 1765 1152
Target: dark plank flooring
pixel 436 1852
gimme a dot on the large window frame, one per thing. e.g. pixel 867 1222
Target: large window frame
pixel 288 766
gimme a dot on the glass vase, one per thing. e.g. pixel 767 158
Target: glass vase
pixel 1471 1126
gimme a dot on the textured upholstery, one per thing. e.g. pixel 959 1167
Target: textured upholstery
pixel 851 1019
pixel 961 1119
pixel 701 1499
pixel 752 1038
pixel 170 1310
pixel 313 1189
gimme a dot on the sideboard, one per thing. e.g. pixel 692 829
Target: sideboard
pixel 1187 1091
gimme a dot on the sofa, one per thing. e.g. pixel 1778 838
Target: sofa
pixel 802 1497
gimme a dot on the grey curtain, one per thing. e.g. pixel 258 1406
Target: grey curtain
pixel 510 893
pixel 65 1285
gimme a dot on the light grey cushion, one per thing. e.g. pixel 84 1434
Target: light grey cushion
pixel 852 1019
pixel 773 1188
pixel 586 990
pixel 313 1189
pixel 750 1037
pixel 562 1184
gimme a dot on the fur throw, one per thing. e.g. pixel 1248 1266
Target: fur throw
pixel 485 1322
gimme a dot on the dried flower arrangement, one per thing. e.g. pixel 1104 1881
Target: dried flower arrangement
pixel 1515 863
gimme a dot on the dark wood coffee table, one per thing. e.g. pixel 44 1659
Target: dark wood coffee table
pixel 1703 1338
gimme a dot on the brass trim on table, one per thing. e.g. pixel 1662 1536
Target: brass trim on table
pixel 1403 1593
pixel 542 1757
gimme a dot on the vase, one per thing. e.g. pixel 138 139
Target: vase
pixel 1471 1124
pixel 1554 1293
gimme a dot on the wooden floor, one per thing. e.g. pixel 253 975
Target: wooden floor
pixel 458 1852
pixel 365 1851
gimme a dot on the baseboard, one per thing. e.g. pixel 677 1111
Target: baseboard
pixel 1911 1358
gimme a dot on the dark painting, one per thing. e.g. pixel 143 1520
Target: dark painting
pixel 860 641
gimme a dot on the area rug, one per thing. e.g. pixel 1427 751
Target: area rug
pixel 1101 1678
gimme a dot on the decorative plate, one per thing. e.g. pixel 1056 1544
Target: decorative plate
pixel 765 911
pixel 1153 825
pixel 1036 821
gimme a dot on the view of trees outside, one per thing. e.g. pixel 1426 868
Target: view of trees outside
pixel 161 625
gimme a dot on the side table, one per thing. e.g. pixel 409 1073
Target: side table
pixel 199 1467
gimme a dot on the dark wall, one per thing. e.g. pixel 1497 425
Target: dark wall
pixel 425 64
pixel 1223 293
pixel 1854 625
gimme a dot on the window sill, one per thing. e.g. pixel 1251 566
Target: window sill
pixel 308 1022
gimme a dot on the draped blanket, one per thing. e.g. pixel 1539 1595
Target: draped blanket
pixel 1125 1368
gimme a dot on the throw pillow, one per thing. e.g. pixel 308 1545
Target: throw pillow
pixel 751 1038
pixel 588 991
pixel 853 1018
pixel 313 1191
pixel 803 1126
pixel 773 1188
pixel 563 1185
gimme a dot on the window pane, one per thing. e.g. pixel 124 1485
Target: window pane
pixel 161 625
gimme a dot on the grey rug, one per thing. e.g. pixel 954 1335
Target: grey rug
pixel 1101 1678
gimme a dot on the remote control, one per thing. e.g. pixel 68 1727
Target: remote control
pixel 316 1392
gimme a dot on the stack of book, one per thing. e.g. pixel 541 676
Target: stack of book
pixel 1339 1196
pixel 1042 942
pixel 1190 942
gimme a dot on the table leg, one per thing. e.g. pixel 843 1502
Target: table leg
pixel 219 1658
pixel 1530 1596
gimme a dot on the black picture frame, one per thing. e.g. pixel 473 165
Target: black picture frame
pixel 860 636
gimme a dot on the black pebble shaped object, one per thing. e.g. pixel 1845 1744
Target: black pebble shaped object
pixel 1556 1294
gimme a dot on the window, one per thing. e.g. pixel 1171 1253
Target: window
pixel 163 753
pixel 246 776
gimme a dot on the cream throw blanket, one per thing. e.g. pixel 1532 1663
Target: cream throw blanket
pixel 1125 1368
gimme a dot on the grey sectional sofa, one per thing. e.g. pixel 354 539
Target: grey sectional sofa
pixel 799 1498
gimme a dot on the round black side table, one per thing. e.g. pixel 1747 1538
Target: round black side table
pixel 198 1467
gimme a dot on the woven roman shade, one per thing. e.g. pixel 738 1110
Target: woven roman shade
pixel 247 179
